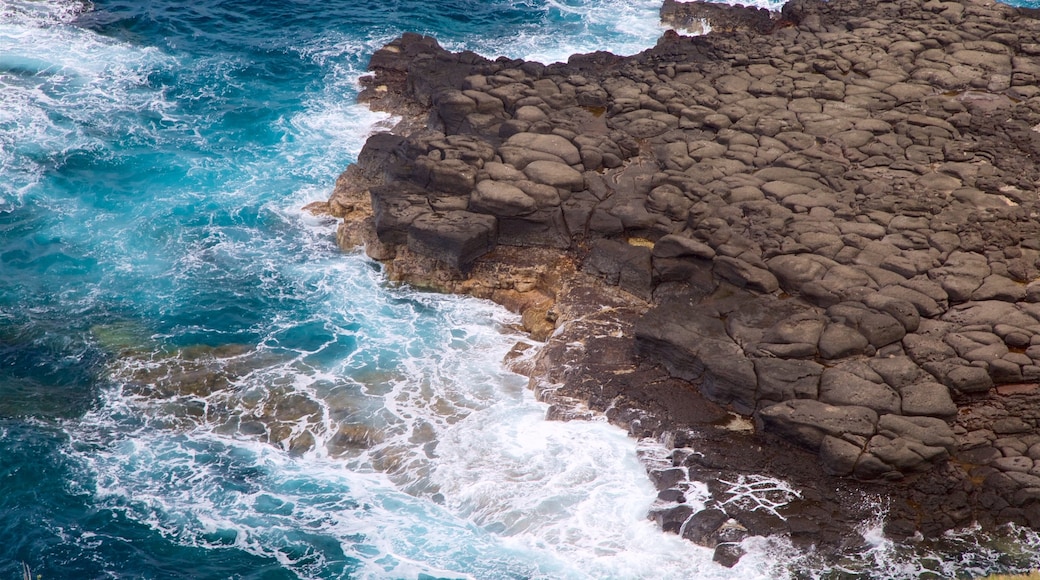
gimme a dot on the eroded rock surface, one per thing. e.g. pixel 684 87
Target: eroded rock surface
pixel 825 220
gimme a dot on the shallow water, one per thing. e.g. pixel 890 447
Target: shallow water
pixel 196 383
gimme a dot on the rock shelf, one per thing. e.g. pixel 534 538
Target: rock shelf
pixel 825 220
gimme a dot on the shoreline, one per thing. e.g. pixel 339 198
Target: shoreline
pixel 820 262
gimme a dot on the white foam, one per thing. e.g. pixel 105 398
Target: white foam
pixel 422 372
pixel 332 127
pixel 618 26
pixel 774 5
pixel 61 89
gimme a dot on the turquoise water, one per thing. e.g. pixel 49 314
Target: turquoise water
pixel 194 381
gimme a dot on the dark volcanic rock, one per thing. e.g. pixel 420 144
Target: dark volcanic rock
pixel 722 17
pixel 455 238
pixel 694 346
pixel 824 220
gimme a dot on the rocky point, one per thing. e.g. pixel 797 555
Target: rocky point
pixel 805 244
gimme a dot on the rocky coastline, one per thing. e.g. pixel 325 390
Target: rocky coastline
pixel 804 245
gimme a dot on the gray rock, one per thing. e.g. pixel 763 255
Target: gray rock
pixel 796 336
pixel 839 341
pixel 795 270
pixel 840 387
pixel 455 238
pixel 927 349
pixel 544 196
pixel 996 287
pixel 903 454
pixel 521 157
pixel 501 198
pixel 671 519
pixel 927 398
pixel 502 172
pixel 878 328
pixel 745 275
pixel 926 306
pixel 896 371
pixel 902 310
pixel 394 211
pixel 673 246
pixel 782 380
pixel 965 379
pixel 702 527
pixel 806 422
pixel 666 478
pixel 622 265
pixel 728 554
pixel 928 430
pixel 869 466
pixel 1011 426
pixel 449 175
pixel 555 174
pixel 694 346
pixel 452 107
pixel 906 445
pixel 839 456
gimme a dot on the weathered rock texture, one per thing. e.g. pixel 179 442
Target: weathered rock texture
pixel 829 217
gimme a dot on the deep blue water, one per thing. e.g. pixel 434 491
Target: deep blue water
pixel 194 381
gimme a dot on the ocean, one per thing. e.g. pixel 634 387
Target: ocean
pixel 195 382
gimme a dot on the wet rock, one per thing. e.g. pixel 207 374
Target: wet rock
pixel 728 554
pixel 703 526
pixel 672 518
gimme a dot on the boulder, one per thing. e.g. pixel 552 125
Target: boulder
pixel 455 238
pixel 745 275
pixel 806 422
pixel 968 379
pixel 554 145
pixel 784 380
pixel 703 526
pixel 555 174
pixel 927 398
pixel 796 336
pixel 839 456
pixel 840 341
pixel 674 246
pixel 500 198
pixel 840 387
